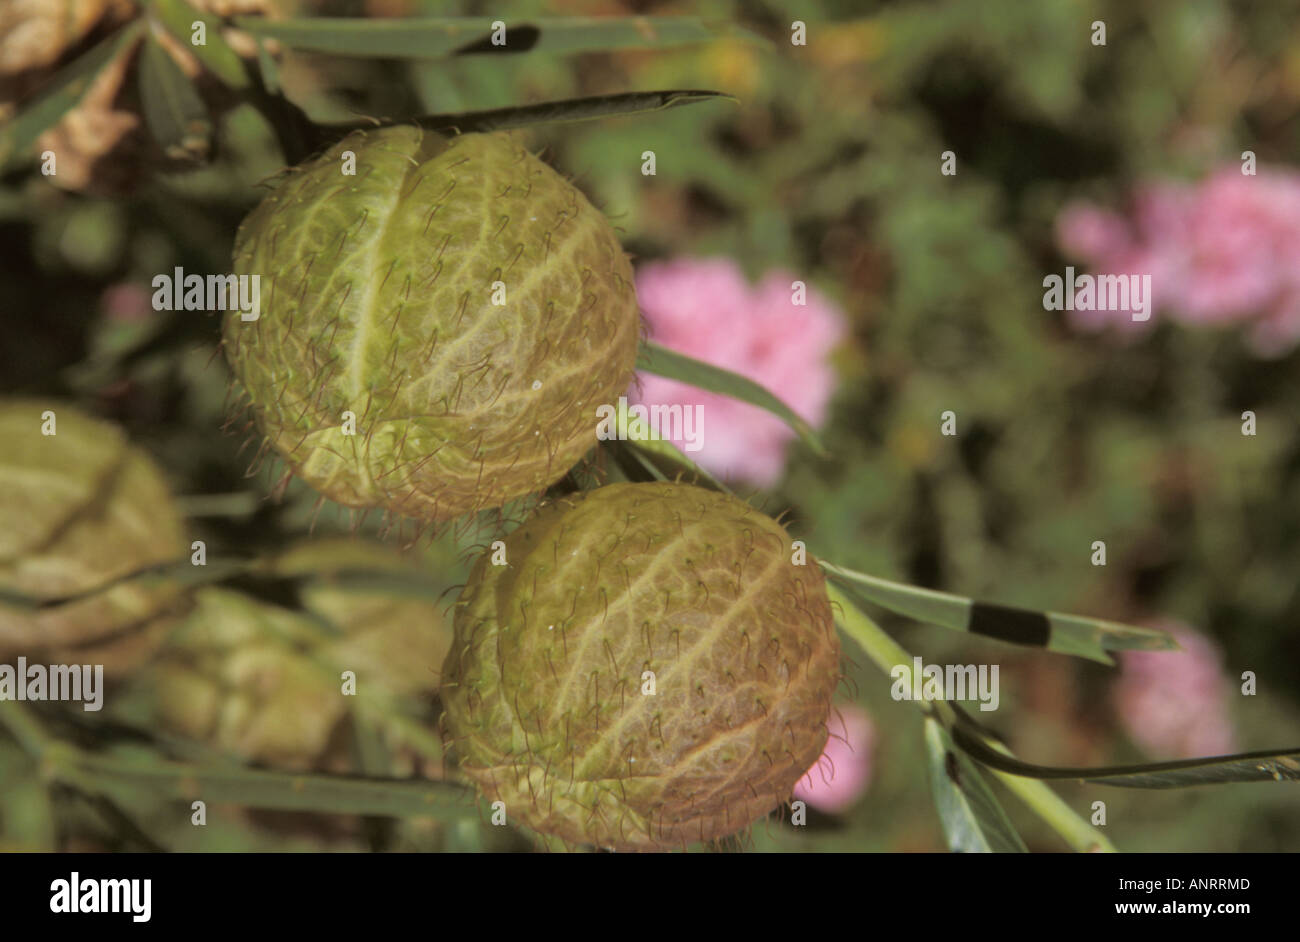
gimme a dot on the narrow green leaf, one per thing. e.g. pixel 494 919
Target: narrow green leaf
pixel 1076 635
pixel 177 573
pixel 30 820
pixel 573 109
pixel 887 654
pixel 175 113
pixel 118 820
pixel 270 70
pixel 1268 766
pixel 637 466
pixel 435 37
pixel 62 93
pixel 673 365
pixel 972 819
pixel 1083 636
pixel 925 605
pixel 233 504
pixel 178 17
pixel 373 757
pixel 548 112
pixel 661 457
pixel 256 571
pixel 127 772
pixel 253 788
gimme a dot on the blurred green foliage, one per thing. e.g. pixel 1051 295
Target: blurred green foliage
pixel 828 165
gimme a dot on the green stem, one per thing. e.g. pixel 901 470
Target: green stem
pixel 56 760
pixel 236 504
pixel 121 777
pixel 888 654
pixel 332 794
pixel 25 728
pixel 1052 808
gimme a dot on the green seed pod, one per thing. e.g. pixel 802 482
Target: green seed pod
pixel 395 636
pixel 458 298
pixel 232 678
pixel 265 682
pixel 79 509
pixel 650 668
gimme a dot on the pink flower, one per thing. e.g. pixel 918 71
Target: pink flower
pixel 843 771
pixel 1174 703
pixel 1085 231
pixel 1225 250
pixel 706 309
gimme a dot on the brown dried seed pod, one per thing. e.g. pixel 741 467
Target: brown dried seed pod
pixel 649 669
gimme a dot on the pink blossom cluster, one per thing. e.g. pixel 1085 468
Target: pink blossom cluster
pixel 1225 250
pixel 843 771
pixel 706 309
pixel 1174 703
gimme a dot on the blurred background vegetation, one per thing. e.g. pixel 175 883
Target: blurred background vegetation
pixel 827 165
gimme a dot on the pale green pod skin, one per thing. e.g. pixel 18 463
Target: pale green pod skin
pixel 263 682
pixel 377 299
pixel 544 688
pixel 78 510
pixel 230 679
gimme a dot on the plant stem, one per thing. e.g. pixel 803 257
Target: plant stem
pixel 333 794
pixel 888 654
pixel 29 733
pixel 1051 808
pixel 124 776
pixel 236 504
pixel 57 761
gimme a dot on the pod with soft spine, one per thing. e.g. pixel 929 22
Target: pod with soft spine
pixel 652 666
pixel 437 329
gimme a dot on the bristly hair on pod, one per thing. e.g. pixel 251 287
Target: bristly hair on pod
pixel 649 665
pixel 437 328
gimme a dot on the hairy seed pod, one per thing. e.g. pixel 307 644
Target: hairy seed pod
pixel 649 668
pixel 456 297
pixel 265 682
pixel 81 508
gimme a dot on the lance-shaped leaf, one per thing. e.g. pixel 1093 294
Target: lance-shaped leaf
pixel 253 788
pixel 123 823
pixel 176 115
pixel 435 37
pixel 268 68
pixel 664 464
pixel 179 17
pixel 658 458
pixel 887 654
pixel 973 821
pixel 260 577
pixel 673 365
pixel 63 92
pixel 566 110
pixel 1268 766
pixel 1077 635
pixel 178 573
